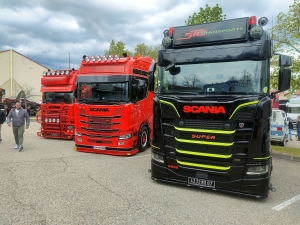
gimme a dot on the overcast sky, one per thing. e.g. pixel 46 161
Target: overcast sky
pixel 48 30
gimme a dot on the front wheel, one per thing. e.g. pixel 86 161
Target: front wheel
pixel 143 139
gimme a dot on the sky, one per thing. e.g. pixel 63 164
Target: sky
pixel 55 33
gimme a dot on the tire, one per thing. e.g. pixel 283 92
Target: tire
pixel 143 139
pixel 282 143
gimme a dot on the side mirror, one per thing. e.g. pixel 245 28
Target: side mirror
pixel 285 60
pixel 284 79
pixel 174 70
pixel 151 81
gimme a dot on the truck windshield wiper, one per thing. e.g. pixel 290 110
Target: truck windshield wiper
pixel 178 93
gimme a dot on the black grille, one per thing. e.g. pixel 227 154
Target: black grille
pixel 203 161
pixel 244 113
pixel 204 148
pixel 210 125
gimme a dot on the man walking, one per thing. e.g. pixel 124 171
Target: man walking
pixel 17 115
pixel 2 120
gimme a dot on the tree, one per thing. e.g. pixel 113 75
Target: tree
pixel 117 48
pixel 286 34
pixel 145 50
pixel 207 15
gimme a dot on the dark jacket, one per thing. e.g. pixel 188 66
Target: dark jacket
pixel 18 121
pixel 291 125
pixel 2 117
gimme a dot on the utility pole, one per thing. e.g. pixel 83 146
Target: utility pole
pixel 69 60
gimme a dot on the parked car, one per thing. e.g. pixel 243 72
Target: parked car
pixel 279 127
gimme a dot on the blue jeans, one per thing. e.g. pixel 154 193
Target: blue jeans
pixel 291 133
pixel 298 133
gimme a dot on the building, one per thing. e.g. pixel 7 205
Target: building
pixel 18 72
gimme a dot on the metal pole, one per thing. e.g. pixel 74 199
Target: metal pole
pixel 69 60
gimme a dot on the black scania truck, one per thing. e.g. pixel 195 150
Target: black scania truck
pixel 212 106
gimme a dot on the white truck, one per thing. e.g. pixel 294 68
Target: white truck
pixel 293 110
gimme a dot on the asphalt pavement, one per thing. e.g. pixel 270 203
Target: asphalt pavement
pixel 49 183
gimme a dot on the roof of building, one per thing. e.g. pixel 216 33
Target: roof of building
pixel 24 56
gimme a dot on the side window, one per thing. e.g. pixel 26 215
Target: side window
pixel 139 89
pixel 142 89
pixel 134 89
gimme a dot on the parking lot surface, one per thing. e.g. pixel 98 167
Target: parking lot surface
pixel 50 183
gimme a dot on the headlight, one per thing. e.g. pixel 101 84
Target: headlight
pixel 57 120
pixel 256 32
pixel 78 134
pixel 70 127
pixel 166 42
pixel 46 120
pixel 125 136
pixel 257 170
pixel 158 158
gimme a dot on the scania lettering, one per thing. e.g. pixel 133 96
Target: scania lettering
pixel 212 106
pixel 57 109
pixel 114 105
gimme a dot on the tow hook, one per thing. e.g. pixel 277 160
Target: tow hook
pixel 271 188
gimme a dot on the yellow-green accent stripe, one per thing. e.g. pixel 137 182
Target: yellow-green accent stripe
pixel 205 131
pixel 264 158
pixel 203 166
pixel 205 142
pixel 155 146
pixel 169 103
pixel 242 105
pixel 203 154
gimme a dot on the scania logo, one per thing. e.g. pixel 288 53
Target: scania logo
pixel 54 107
pixel 204 109
pixel 99 109
pixel 204 136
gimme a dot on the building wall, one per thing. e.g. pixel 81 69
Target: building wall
pixel 19 72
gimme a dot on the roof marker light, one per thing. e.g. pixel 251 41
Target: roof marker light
pixel 110 57
pixel 62 72
pixel 252 21
pixel 98 58
pixel 57 73
pixel 44 73
pixel 67 72
pixel 117 57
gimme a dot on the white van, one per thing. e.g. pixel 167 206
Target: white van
pixel 279 127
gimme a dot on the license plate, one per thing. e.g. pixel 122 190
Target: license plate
pixel 201 182
pixel 100 147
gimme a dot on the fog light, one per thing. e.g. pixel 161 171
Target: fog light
pixel 158 158
pixel 79 139
pixel 257 170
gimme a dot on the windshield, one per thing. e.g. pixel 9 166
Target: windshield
pixel 246 77
pixel 294 110
pixel 103 92
pixel 58 97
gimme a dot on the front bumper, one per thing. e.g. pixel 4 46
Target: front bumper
pixel 254 187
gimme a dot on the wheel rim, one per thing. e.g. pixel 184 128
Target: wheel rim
pixel 144 138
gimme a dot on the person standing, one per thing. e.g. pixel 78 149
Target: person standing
pixel 291 128
pixel 2 120
pixel 18 115
pixel 298 127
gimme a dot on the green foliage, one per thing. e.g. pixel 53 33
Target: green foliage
pixel 207 15
pixel 286 34
pixel 145 50
pixel 117 48
pixel 21 94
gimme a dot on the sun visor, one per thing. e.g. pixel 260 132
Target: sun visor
pixel 69 88
pixel 260 50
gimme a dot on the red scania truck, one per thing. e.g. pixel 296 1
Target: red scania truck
pixel 114 105
pixel 57 109
pixel 212 106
